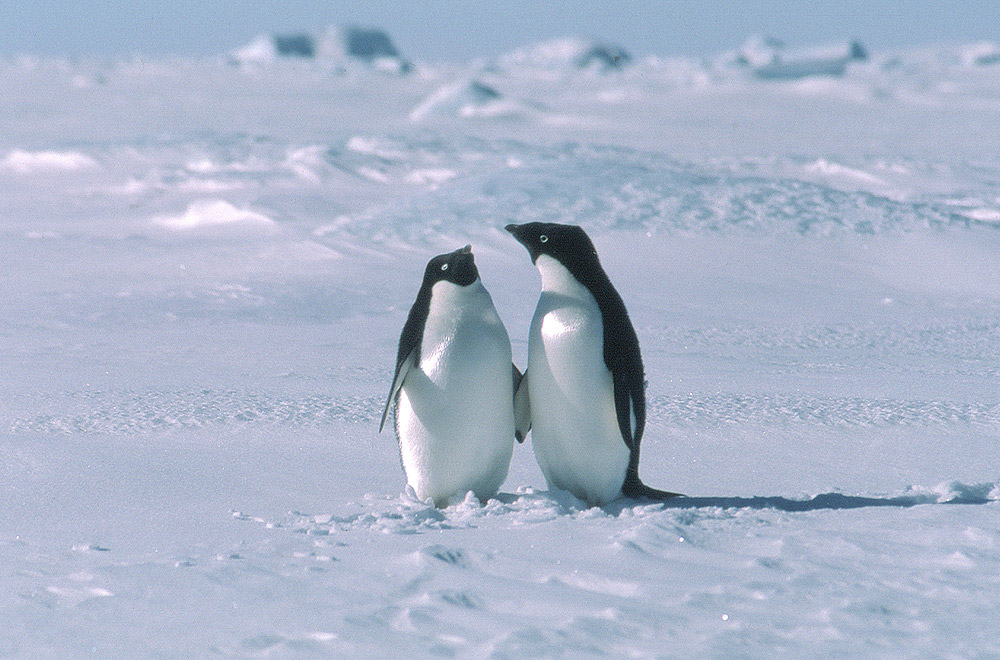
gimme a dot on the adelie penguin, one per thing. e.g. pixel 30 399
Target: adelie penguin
pixel 454 385
pixel 583 392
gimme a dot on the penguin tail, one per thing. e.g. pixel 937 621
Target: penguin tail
pixel 635 489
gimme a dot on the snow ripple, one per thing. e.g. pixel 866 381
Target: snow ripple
pixel 143 413
pixel 959 342
pixel 778 409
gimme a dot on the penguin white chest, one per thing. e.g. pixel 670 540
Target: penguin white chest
pixel 575 433
pixel 454 417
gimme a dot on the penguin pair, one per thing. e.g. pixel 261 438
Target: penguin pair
pixel 460 401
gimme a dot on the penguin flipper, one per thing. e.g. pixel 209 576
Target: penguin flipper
pixel 522 406
pixel 630 408
pixel 397 382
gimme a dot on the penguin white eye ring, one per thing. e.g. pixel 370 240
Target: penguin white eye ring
pixel 543 239
pixel 444 266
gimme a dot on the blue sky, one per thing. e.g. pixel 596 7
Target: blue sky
pixel 436 30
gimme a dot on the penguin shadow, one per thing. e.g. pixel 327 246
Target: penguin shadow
pixel 957 494
pixel 953 493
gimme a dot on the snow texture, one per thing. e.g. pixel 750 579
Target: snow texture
pixel 206 268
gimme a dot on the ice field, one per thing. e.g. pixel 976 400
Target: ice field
pixel 206 265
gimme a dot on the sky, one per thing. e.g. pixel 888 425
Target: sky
pixel 452 30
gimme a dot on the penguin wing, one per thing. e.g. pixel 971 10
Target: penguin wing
pixel 630 408
pixel 624 360
pixel 522 407
pixel 402 368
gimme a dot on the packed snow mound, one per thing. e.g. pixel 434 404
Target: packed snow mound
pixel 336 45
pixel 768 59
pixel 29 162
pixel 211 213
pixel 570 53
pixel 465 98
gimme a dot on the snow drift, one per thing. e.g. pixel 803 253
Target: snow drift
pixel 466 98
pixel 29 162
pixel 216 215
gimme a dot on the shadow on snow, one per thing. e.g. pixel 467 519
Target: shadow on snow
pixel 956 494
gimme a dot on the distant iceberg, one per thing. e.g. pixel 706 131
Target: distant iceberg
pixel 337 45
pixel 767 59
pixel 569 53
pixel 362 44
pixel 295 45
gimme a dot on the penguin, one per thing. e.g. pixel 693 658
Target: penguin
pixel 452 391
pixel 583 392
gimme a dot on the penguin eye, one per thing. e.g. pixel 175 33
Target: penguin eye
pixel 444 266
pixel 543 239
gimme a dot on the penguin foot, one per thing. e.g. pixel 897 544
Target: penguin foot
pixel 638 490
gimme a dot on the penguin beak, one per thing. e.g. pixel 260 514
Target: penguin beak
pixel 515 231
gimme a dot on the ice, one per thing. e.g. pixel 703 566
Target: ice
pixel 368 44
pixel 337 46
pixel 769 60
pixel 206 268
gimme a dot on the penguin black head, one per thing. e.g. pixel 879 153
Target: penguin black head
pixel 568 244
pixel 458 267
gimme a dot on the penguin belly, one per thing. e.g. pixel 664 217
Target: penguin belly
pixel 575 433
pixel 455 416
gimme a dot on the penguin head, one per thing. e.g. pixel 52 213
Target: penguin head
pixel 568 244
pixel 458 267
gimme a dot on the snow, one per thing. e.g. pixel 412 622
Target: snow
pixel 212 212
pixel 466 98
pixel 31 162
pixel 206 269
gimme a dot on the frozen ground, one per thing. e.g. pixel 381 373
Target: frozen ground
pixel 206 267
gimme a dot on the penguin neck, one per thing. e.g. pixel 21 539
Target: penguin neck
pixel 446 297
pixel 556 278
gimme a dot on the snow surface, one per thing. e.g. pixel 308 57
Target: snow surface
pixel 206 268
